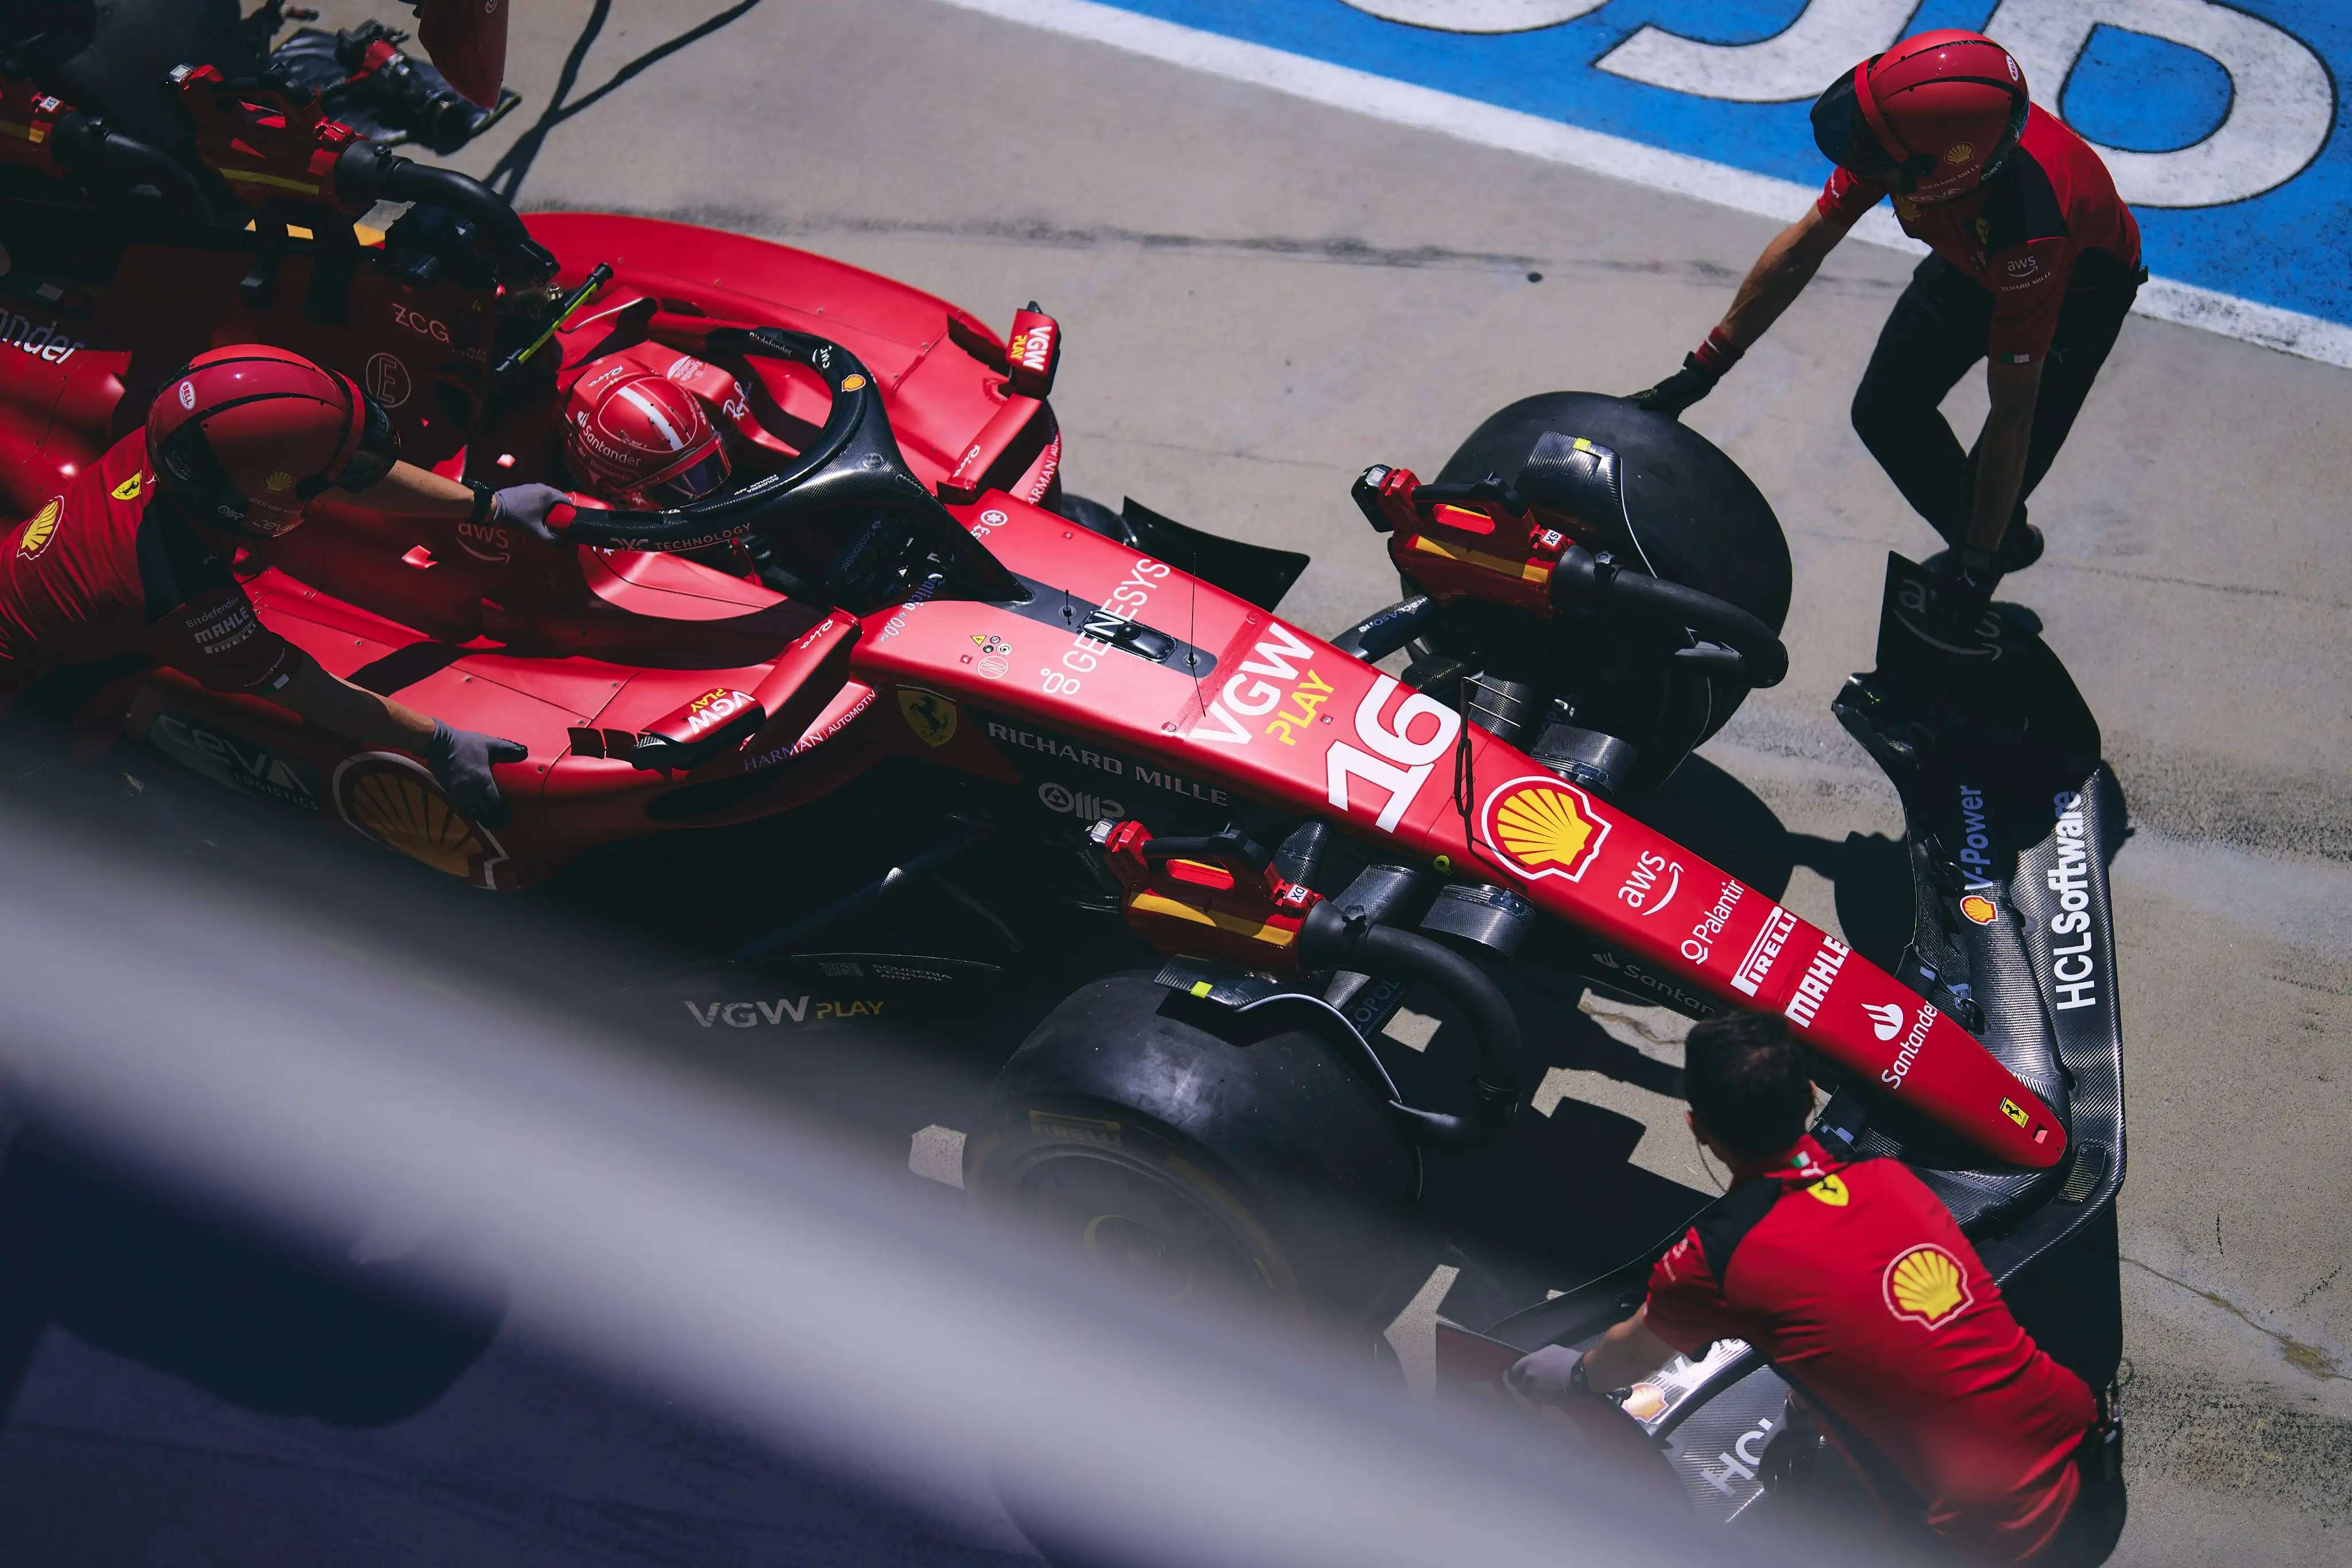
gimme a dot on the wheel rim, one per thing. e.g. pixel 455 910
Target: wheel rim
pixel 1138 1225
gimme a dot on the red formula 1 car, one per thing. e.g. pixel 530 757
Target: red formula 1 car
pixel 896 580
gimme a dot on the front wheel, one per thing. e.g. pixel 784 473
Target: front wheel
pixel 1198 1154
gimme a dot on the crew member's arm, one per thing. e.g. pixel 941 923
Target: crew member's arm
pixel 1626 1353
pixel 1781 274
pixel 1771 286
pixel 460 758
pixel 203 624
pixel 2000 452
pixel 410 491
pixel 353 712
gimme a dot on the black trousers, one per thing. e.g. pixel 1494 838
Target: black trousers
pixel 2092 1527
pixel 1935 334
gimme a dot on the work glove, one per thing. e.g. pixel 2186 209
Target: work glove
pixel 460 760
pixel 1678 391
pixel 1547 1375
pixel 527 507
pixel 1965 579
pixel 1702 368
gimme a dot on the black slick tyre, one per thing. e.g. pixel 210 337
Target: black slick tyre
pixel 1700 521
pixel 1194 1152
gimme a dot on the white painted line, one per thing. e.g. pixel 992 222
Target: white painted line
pixel 936 1153
pixel 1425 108
pixel 1413 1335
pixel 2289 332
pixel 1412 1030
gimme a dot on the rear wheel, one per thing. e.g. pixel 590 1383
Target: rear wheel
pixel 1194 1152
pixel 1699 521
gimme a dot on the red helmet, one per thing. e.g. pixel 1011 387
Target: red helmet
pixel 251 433
pixel 1936 116
pixel 640 439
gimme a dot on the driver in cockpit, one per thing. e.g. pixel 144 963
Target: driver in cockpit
pixel 641 437
pixel 647 428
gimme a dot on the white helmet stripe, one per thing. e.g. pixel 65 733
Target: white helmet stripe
pixel 653 411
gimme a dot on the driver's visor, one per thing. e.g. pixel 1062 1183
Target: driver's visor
pixel 1845 136
pixel 691 483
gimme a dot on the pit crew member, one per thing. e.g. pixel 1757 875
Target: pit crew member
pixel 2034 261
pixel 135 557
pixel 1854 1283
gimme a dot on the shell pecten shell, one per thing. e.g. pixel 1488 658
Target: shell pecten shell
pixel 1926 1285
pixel 1539 827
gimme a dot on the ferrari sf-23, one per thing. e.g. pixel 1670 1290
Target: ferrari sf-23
pixel 893 578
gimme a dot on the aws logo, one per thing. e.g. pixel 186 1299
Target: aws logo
pixel 40 529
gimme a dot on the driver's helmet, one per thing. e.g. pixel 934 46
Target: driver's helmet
pixel 640 440
pixel 1935 117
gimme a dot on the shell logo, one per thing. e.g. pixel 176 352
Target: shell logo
pixel 1979 909
pixel 1645 1401
pixel 390 799
pixel 1544 826
pixel 40 529
pixel 1959 152
pixel 280 481
pixel 1928 1285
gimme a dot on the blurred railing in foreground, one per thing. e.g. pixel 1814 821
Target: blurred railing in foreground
pixel 725 1255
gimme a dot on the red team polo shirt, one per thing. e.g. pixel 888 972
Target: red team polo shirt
pixel 111 568
pixel 1855 1283
pixel 2050 222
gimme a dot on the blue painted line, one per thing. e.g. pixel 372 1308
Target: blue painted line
pixel 2270 167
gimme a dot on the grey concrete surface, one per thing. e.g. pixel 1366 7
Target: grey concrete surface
pixel 1262 296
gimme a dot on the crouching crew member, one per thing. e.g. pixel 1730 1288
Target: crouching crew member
pixel 135 557
pixel 2033 263
pixel 1853 1281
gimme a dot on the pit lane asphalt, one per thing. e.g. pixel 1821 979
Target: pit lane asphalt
pixel 1261 296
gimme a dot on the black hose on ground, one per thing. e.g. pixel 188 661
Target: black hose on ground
pixel 1330 940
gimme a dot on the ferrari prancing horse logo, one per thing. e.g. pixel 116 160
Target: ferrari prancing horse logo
pixel 930 716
